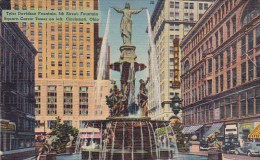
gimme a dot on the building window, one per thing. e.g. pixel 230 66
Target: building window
pixel 88 73
pixel 209 65
pixel 221 79
pixel 216 37
pixel 172 4
pixel 258 35
pixel 243 45
pixel 216 80
pixel 222 109
pixel 250 70
pixel 228 29
pixel 221 35
pixel 216 63
pixel 68 122
pixel 52 2
pixel 221 59
pixel 228 79
pixel 228 56
pixel 177 5
pixel 250 40
pixel 186 5
pixel 234 77
pixel 243 104
pixel 191 17
pixel 39 75
pixel 250 102
pixel 206 6
pixel 234 19
pixel 234 51
pixel 191 5
pixel 257 98
pixel 243 72
pixel 67 72
pixel 234 106
pixel 209 87
pixel 201 6
pixel 228 107
pixel 258 66
pixel 51 124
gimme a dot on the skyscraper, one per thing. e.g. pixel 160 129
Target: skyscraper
pixel 65 84
pixel 171 19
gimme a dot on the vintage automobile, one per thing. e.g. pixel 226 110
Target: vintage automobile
pixel 249 148
pixel 204 145
pixel 230 146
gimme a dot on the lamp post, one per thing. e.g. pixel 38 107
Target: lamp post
pixel 175 105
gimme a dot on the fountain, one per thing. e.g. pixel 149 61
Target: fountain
pixel 125 134
pixel 128 133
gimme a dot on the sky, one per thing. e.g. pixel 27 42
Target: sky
pixel 139 35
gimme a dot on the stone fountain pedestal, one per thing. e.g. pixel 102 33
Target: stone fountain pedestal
pixel 70 149
pixel 194 146
pixel 133 139
pixel 47 156
pixel 214 155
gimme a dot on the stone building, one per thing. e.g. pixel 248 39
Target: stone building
pixel 221 71
pixel 171 19
pixel 65 72
pixel 17 101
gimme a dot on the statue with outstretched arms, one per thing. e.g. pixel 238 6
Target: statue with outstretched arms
pixel 126 22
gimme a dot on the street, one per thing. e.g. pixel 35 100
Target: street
pixel 239 157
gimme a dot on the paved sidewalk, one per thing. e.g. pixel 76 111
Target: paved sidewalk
pixel 229 156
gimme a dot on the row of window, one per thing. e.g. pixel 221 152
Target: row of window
pixel 234 106
pixel 67 73
pixel 213 21
pixel 74 64
pixel 176 5
pixel 67 47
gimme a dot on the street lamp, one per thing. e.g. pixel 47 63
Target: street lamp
pixel 175 105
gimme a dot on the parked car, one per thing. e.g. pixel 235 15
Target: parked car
pixel 249 148
pixel 230 146
pixel 204 145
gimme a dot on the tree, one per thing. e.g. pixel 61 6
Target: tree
pixel 62 131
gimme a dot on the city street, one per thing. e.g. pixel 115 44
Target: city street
pixel 238 157
pixel 230 156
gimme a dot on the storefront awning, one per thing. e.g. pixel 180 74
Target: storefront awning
pixel 213 128
pixel 255 132
pixel 191 129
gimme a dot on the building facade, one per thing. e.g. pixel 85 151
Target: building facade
pixel 65 64
pixel 221 69
pixel 171 19
pixel 17 101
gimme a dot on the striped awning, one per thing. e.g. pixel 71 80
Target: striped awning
pixel 213 128
pixel 255 132
pixel 191 129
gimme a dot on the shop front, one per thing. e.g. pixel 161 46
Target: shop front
pixel 193 130
pixel 7 135
pixel 255 133
pixel 231 138
pixel 244 129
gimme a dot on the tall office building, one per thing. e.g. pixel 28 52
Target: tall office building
pixel 171 19
pixel 17 101
pixel 221 72
pixel 65 84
